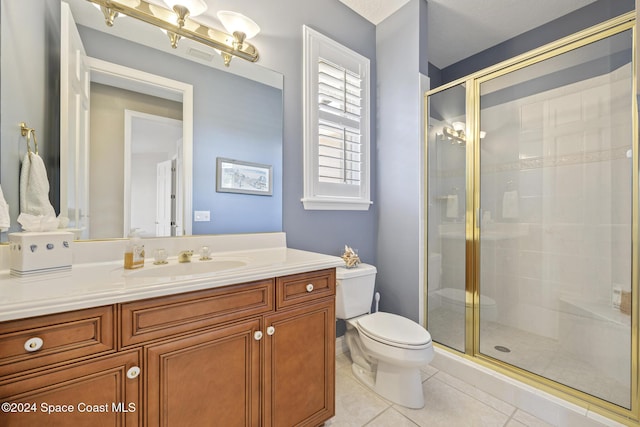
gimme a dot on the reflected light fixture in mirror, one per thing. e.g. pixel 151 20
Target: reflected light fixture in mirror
pixel 183 8
pixel 177 23
pixel 456 133
pixel 240 26
pixel 109 14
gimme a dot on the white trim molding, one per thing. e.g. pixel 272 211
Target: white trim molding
pixel 336 102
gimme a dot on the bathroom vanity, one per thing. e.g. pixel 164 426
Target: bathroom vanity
pixel 252 345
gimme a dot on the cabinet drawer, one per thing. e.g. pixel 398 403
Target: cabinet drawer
pixel 65 337
pixel 299 288
pixel 156 318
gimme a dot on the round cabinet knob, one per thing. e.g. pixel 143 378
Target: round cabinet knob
pixel 310 287
pixel 33 344
pixel 271 330
pixel 133 372
pixel 257 335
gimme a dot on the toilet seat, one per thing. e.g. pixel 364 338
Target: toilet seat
pixel 394 330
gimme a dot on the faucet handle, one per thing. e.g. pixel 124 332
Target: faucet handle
pixel 205 253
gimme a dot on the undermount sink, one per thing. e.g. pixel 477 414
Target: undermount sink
pixel 186 269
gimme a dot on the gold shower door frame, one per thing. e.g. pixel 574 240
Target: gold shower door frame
pixel 472 218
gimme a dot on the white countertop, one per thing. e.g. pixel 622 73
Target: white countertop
pixel 102 283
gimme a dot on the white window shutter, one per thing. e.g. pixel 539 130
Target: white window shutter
pixel 336 146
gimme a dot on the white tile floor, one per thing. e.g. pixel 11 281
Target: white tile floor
pixel 540 355
pixel 450 402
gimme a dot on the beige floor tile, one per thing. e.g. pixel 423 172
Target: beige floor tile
pixel 391 417
pixel 450 402
pixel 476 393
pixel 342 359
pixel 446 406
pixel 427 372
pixel 355 404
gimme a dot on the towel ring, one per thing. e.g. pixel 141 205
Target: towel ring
pixel 28 132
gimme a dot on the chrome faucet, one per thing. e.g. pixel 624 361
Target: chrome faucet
pixel 185 256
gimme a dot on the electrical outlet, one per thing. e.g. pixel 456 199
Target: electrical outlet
pixel 201 216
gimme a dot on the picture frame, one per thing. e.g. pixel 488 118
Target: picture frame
pixel 236 176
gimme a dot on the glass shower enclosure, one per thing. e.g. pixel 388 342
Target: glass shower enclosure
pixel 532 213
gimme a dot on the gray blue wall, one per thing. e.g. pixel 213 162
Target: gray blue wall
pixel 30 71
pixel 280 45
pixel 400 157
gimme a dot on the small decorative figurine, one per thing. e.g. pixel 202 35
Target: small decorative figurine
pixel 350 257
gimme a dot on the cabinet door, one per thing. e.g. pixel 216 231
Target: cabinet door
pixel 90 393
pixel 300 365
pixel 208 378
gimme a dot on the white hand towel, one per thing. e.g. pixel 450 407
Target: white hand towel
pixel 510 204
pixel 452 206
pixel 5 220
pixel 34 187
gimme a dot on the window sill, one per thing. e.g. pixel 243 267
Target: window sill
pixel 335 204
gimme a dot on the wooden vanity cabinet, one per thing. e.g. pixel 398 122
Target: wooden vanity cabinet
pixel 96 392
pixel 300 366
pixel 299 384
pixel 273 368
pixel 254 354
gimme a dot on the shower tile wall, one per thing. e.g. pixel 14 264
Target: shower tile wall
pixel 570 169
pixel 566 153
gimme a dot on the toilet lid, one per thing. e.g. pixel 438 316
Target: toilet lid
pixel 394 329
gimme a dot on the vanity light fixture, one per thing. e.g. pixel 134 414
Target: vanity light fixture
pixel 177 23
pixel 184 8
pixel 455 133
pixel 241 27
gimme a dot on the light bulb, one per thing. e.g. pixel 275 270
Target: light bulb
pixel 458 126
pixel 195 7
pixel 237 22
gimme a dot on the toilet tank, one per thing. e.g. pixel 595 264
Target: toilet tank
pixel 354 290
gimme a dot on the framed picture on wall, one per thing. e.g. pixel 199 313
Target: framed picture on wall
pixel 235 176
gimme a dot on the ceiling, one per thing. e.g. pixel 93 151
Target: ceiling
pixel 458 29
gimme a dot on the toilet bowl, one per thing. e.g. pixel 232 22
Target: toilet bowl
pixel 387 350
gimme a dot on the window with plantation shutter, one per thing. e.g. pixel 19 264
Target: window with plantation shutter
pixel 336 146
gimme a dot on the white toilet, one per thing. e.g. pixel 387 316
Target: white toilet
pixel 387 350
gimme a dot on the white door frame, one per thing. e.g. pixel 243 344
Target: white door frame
pixel 151 84
pixel 130 117
pixel 163 198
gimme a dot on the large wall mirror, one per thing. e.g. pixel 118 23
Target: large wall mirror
pixel 156 121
